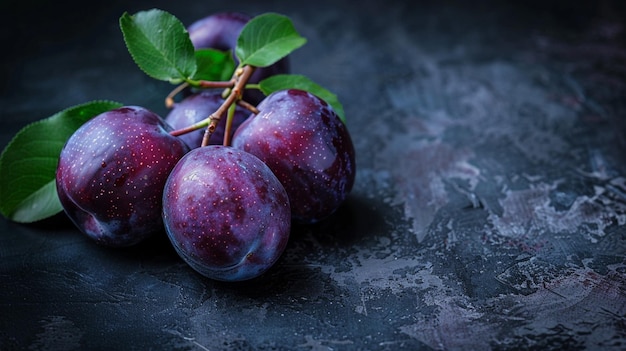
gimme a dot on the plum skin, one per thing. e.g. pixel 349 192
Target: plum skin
pixel 226 214
pixel 111 174
pixel 307 146
pixel 197 107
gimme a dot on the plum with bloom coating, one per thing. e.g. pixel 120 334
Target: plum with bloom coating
pixel 111 174
pixel 195 108
pixel 307 146
pixel 226 213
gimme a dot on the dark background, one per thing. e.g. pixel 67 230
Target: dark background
pixel 489 210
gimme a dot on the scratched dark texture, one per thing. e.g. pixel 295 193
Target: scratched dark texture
pixel 489 210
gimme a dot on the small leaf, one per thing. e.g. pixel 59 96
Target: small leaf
pixel 159 44
pixel 214 65
pixel 296 81
pixel 28 163
pixel 266 39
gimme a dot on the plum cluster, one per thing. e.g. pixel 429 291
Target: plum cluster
pixel 227 209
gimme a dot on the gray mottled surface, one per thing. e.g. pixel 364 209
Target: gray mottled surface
pixel 489 210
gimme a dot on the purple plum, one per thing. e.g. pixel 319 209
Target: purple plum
pixel 220 31
pixel 197 107
pixel 307 146
pixel 111 174
pixel 226 213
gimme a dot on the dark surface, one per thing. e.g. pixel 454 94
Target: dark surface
pixel 489 210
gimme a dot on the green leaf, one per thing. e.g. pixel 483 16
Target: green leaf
pixel 266 39
pixel 28 163
pixel 296 81
pixel 214 65
pixel 159 44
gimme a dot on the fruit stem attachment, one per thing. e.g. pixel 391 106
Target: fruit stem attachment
pixel 241 77
pixel 248 106
pixel 229 124
pixel 189 129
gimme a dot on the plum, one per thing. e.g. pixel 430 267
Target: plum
pixel 197 107
pixel 226 213
pixel 307 146
pixel 111 174
pixel 220 31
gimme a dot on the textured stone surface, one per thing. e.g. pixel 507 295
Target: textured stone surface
pixel 489 209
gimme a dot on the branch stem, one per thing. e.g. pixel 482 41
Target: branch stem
pixel 215 84
pixel 241 77
pixel 169 99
